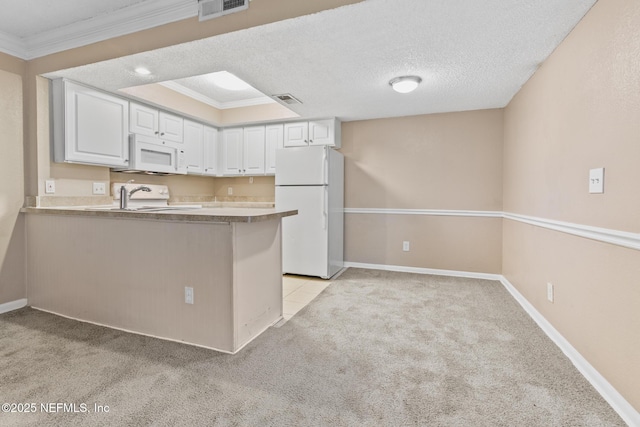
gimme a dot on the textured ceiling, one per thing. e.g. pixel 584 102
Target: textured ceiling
pixel 471 54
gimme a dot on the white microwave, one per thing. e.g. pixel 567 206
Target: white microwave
pixel 151 154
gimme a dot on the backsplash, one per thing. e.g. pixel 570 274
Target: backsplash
pixel 183 190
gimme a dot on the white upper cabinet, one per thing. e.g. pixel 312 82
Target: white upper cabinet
pixel 243 151
pixel 171 127
pixel 194 146
pixel 201 148
pixel 296 134
pixel 253 152
pixel 232 140
pixel 315 132
pixel 210 151
pixel 149 121
pixel 89 126
pixel 274 140
pixel 143 120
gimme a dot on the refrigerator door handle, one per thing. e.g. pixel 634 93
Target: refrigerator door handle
pixel 325 165
pixel 325 207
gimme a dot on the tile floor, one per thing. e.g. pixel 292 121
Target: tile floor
pixel 298 291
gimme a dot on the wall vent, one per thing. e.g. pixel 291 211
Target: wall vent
pixel 287 98
pixel 208 9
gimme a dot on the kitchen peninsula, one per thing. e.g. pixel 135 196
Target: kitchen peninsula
pixel 134 270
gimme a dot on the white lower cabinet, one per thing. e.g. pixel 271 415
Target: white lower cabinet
pixel 89 126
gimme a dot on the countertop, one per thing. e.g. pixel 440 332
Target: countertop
pixel 204 214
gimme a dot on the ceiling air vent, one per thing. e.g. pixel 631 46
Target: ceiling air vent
pixel 208 9
pixel 287 98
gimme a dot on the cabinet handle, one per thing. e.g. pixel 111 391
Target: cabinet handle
pixel 156 132
pixel 162 134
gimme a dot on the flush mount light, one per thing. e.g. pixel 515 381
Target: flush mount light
pixel 405 84
pixel 142 71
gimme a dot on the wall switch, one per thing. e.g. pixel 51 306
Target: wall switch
pixel 596 181
pixel 229 191
pixel 49 186
pixel 250 180
pixel 550 292
pixel 405 246
pixel 99 188
pixel 188 295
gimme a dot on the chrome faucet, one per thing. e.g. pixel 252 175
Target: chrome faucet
pixel 125 195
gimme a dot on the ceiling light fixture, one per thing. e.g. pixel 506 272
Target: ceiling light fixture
pixel 405 84
pixel 142 71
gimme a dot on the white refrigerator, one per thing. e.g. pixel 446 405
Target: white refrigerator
pixel 311 180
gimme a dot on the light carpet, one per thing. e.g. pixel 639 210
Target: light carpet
pixel 374 349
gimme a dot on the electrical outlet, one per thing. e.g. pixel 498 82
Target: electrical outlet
pixel 188 295
pixel 550 292
pixel 250 180
pixel 49 186
pixel 99 188
pixel 405 246
pixel 229 191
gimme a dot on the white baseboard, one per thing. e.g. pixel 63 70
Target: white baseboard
pixel 13 305
pixel 419 270
pixel 602 386
pixel 619 404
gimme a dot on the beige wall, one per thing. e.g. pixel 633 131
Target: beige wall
pixel 165 97
pixel 256 113
pixel 12 261
pixel 581 110
pixel 442 162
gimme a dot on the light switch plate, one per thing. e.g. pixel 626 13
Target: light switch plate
pixel 596 181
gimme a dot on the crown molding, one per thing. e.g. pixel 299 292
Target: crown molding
pixel 138 17
pixel 212 102
pixel 12 45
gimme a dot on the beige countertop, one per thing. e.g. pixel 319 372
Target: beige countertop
pixel 204 214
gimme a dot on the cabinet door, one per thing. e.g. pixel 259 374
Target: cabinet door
pixel 170 127
pixel 143 120
pixel 274 135
pixel 254 150
pixel 321 132
pixel 232 152
pixel 210 151
pixel 194 146
pixel 296 134
pixel 96 127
